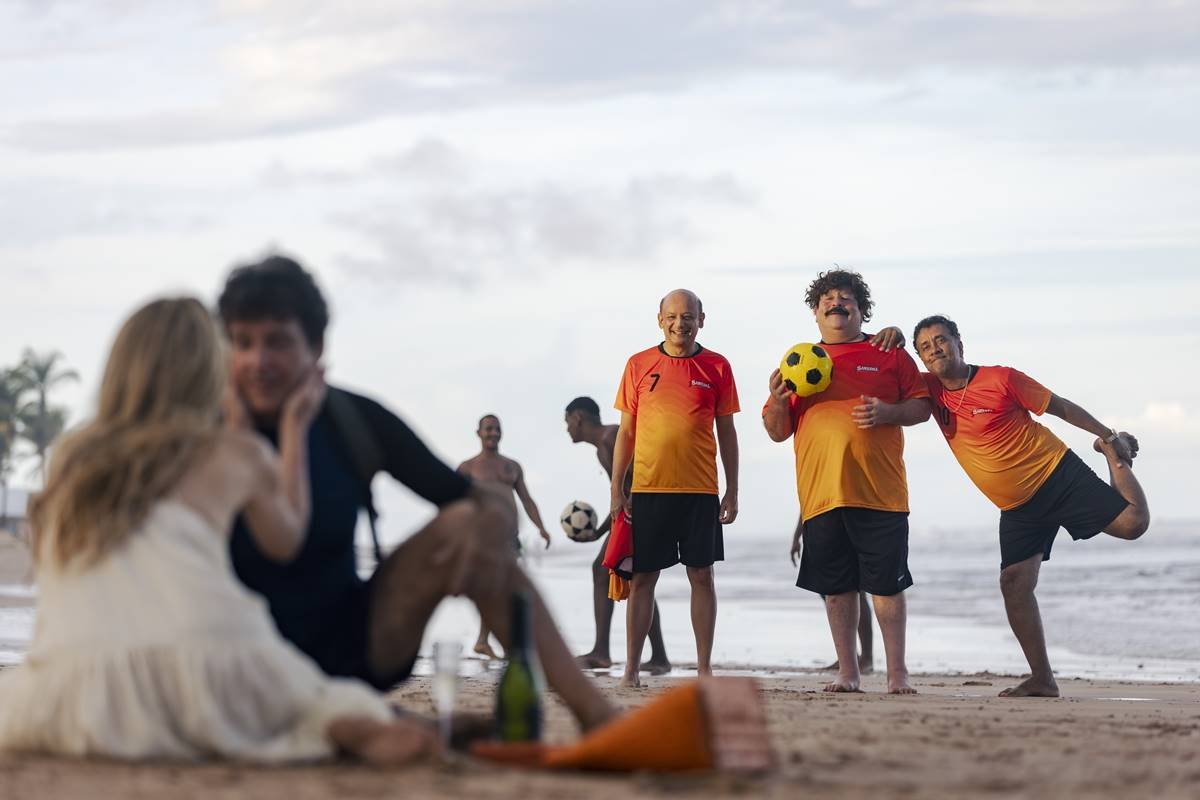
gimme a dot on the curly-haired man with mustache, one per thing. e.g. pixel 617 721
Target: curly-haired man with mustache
pixel 850 473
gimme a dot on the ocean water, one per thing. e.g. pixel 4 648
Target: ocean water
pixel 1111 609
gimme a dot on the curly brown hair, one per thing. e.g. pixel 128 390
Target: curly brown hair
pixel 840 279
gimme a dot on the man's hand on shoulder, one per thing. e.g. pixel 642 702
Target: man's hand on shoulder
pixel 888 339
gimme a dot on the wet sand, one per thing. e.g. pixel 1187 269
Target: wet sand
pixel 955 739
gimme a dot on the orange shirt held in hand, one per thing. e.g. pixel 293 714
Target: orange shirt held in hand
pixel 1004 451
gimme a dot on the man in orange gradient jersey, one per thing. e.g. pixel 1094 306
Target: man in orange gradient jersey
pixel 850 474
pixel 1037 482
pixel 671 397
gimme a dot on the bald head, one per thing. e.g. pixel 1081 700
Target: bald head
pixel 685 296
pixel 680 317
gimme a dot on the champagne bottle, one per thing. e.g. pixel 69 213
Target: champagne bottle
pixel 519 694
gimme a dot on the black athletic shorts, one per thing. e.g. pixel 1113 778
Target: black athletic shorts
pixel 1073 497
pixel 676 528
pixel 855 550
pixel 344 653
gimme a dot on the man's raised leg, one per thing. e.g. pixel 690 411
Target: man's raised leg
pixel 1135 519
pixel 892 613
pixel 602 610
pixel 1017 583
pixel 842 611
pixel 704 615
pixel 638 618
pixel 467 549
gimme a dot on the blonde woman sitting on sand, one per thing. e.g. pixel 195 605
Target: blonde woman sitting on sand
pixel 145 645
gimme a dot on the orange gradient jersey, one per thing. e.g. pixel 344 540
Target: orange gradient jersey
pixel 839 465
pixel 1004 451
pixel 675 402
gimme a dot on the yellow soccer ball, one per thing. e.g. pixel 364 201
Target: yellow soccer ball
pixel 806 369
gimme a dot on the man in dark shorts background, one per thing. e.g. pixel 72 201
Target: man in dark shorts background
pixel 1038 483
pixel 671 397
pixel 850 474
pixel 582 416
pixel 275 318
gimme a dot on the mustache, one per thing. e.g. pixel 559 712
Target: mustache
pixel 838 310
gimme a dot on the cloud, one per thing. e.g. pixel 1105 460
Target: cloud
pixel 286 66
pixel 459 236
pixel 429 161
pixel 1165 418
pixel 34 211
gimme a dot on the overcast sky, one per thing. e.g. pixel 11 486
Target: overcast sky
pixel 495 195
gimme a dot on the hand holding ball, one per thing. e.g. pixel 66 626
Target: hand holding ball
pixel 806 369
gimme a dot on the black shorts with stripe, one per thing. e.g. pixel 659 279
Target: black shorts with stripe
pixel 855 550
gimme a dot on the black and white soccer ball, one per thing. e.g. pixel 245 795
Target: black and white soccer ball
pixel 579 521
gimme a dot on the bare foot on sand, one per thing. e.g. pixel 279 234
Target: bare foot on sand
pixel 485 649
pixel 1032 687
pixel 898 684
pixel 593 661
pixel 842 685
pixel 630 681
pixel 657 667
pixel 383 744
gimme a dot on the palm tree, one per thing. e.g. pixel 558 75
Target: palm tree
pixel 12 386
pixel 40 423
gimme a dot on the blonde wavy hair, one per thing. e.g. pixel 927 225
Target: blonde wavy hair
pixel 157 413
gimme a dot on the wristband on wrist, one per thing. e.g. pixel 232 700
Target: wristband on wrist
pixel 1112 436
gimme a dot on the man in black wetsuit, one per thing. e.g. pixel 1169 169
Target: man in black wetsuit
pixel 275 317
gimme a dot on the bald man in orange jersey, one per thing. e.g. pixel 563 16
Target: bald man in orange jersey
pixel 671 397
pixel 1035 480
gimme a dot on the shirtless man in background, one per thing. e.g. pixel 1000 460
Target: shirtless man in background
pixel 584 425
pixel 489 465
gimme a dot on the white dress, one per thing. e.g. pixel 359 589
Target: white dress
pixel 158 651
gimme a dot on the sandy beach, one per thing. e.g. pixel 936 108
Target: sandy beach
pixel 1103 739
pixel 956 739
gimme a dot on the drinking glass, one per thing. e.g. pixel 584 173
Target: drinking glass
pixel 446 656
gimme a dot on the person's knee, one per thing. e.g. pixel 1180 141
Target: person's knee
pixel 1132 523
pixel 1016 581
pixel 701 577
pixel 643 582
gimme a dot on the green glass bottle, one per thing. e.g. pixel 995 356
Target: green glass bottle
pixel 519 694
